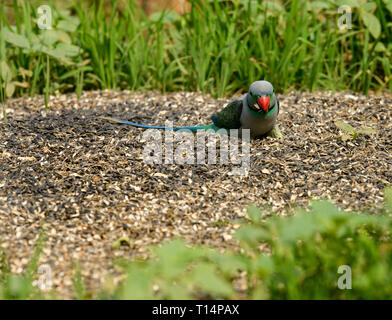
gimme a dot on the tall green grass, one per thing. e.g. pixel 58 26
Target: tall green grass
pixel 218 47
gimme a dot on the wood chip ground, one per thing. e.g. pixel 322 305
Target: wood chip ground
pixel 85 181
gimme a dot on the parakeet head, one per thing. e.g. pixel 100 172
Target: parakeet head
pixel 260 97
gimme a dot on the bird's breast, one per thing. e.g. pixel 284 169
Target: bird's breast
pixel 257 125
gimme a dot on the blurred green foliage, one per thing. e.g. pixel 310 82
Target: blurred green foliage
pixel 306 251
pixel 291 257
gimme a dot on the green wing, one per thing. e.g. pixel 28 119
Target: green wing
pixel 229 117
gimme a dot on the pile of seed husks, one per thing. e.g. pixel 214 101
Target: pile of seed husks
pixel 85 181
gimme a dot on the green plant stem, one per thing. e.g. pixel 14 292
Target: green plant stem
pixel 47 78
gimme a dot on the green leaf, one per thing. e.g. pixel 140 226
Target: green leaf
pixel 366 131
pixel 380 47
pixel 174 256
pixel 251 234
pixel 56 54
pixel 350 3
pixel 10 89
pixel 6 72
pixel 174 291
pixel 369 6
pixel 344 126
pixel 138 284
pixel 16 39
pixel 254 213
pixel 302 226
pixel 269 5
pixel 265 265
pixel 388 198
pixel 67 50
pixel 67 25
pixel 66 15
pixel 318 5
pixel 325 208
pixel 260 293
pixel 205 276
pixel 388 4
pixel 229 263
pixel 64 37
pixel 371 22
pixel 17 286
pixel 50 37
pixel 346 137
pixel 167 16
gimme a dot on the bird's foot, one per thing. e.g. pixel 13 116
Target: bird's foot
pixel 275 133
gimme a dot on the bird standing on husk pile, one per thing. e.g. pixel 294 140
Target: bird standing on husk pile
pixel 256 110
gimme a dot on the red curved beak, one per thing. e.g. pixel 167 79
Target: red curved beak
pixel 263 102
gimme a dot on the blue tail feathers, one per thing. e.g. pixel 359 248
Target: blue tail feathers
pixel 146 126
